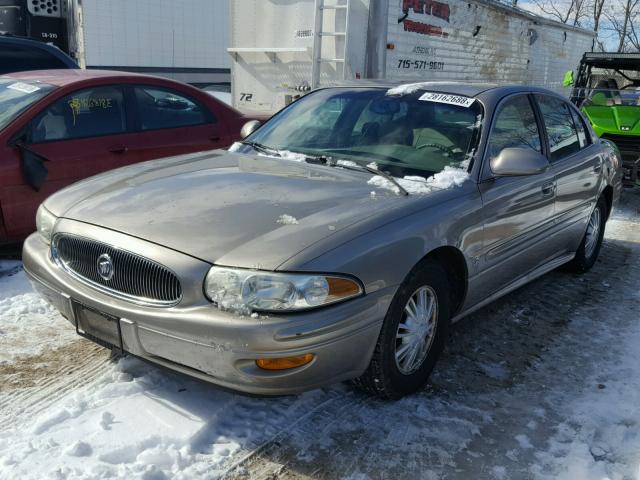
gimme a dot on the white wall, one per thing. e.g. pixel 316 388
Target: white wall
pixel 157 33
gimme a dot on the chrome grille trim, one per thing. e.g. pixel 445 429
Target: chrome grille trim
pixel 136 279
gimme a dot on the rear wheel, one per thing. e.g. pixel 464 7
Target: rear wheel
pixel 412 335
pixel 589 249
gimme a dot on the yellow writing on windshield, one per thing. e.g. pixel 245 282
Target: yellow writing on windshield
pixel 78 104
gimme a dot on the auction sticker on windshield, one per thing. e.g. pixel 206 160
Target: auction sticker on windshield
pixel 23 87
pixel 447 98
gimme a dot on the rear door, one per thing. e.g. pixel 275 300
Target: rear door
pixel 518 211
pixel 170 122
pixel 576 164
pixel 79 135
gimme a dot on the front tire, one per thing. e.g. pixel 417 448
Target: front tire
pixel 412 336
pixel 589 248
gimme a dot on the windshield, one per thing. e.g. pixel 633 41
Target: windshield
pixel 403 135
pixel 613 88
pixel 18 95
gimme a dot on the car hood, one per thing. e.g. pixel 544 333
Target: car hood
pixel 227 208
pixel 615 119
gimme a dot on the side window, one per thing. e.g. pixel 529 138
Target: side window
pixel 515 127
pixel 583 133
pixel 91 112
pixel 561 131
pixel 160 108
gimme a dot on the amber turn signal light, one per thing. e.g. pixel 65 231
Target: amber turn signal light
pixel 342 287
pixel 284 363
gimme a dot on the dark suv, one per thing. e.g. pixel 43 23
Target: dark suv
pixel 21 54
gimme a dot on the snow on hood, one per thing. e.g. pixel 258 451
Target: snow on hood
pixel 415 185
pixel 285 219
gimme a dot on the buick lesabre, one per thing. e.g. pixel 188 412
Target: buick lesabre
pixel 337 241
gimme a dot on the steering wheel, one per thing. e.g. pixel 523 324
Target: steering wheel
pixel 448 150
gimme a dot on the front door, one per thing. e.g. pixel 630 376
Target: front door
pixel 518 211
pixel 79 135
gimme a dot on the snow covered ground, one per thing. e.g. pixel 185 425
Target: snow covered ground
pixel 542 384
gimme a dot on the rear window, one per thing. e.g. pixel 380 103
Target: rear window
pixel 18 95
pixel 16 58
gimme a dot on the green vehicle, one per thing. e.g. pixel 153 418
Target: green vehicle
pixel 607 90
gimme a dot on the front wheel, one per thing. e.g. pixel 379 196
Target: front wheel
pixel 412 335
pixel 589 248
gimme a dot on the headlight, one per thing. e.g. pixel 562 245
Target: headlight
pixel 45 220
pixel 246 290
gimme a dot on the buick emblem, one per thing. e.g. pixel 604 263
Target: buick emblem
pixel 105 267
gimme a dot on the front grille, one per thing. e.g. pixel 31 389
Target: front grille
pixel 629 145
pixel 132 276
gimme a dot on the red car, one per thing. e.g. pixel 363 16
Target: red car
pixel 59 126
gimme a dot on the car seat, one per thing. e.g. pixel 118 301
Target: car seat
pixel 601 95
pixel 612 85
pixel 54 124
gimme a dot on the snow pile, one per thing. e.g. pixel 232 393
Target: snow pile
pixel 285 219
pixel 135 421
pixel 415 185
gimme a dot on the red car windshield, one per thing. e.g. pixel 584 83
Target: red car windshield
pixel 18 95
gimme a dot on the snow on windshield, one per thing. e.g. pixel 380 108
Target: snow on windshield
pixel 286 154
pixel 449 177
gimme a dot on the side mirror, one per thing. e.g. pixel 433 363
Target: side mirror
pixel 34 170
pixel 512 162
pixel 250 127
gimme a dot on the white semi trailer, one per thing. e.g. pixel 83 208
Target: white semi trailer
pixel 282 48
pixel 182 39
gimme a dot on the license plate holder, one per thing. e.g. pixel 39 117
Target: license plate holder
pixel 98 326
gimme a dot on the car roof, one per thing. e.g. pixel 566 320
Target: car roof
pixel 468 89
pixel 7 41
pixel 626 61
pixel 65 77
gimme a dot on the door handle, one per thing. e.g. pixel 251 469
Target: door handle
pixel 119 149
pixel 548 188
pixel 597 168
pixel 215 138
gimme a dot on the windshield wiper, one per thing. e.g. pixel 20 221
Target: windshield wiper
pixel 262 148
pixel 331 162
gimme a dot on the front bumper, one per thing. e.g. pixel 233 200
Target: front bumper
pixel 200 340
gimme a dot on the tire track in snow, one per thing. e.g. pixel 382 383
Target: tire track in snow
pixel 19 404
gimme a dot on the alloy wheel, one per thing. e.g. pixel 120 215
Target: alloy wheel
pixel 416 330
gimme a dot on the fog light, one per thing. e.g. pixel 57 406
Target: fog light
pixel 284 363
